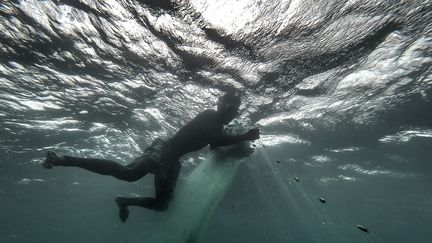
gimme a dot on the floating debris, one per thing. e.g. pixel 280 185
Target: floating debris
pixel 362 228
pixel 24 181
pixel 297 179
pixel 322 200
pixel 278 161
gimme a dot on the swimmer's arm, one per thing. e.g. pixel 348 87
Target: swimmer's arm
pixel 226 140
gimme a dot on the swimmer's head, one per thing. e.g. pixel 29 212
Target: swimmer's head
pixel 228 106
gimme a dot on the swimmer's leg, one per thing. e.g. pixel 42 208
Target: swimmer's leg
pixel 124 202
pixel 164 187
pixel 136 170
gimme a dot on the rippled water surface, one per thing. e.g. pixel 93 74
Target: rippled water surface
pixel 340 89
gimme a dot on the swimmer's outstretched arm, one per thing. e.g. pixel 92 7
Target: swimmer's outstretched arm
pixel 226 140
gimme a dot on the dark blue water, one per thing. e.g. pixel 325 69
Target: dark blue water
pixel 341 90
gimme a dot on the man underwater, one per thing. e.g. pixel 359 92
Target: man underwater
pixel 162 157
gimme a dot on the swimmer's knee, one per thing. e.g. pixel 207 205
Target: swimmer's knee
pixel 161 206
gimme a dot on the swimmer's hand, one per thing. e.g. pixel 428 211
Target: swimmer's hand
pixel 253 134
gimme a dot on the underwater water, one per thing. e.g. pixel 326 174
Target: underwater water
pixel 341 90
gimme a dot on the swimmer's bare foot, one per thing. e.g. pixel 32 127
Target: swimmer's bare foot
pixel 51 160
pixel 123 211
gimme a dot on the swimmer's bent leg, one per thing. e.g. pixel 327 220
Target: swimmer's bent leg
pixel 124 202
pixel 164 186
pixel 136 170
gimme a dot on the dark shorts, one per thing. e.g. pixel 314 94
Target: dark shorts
pixel 154 151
